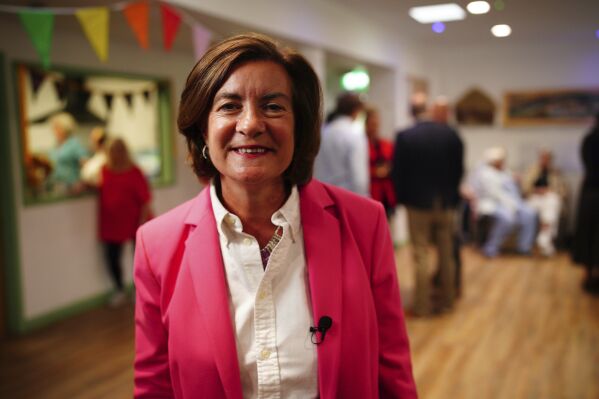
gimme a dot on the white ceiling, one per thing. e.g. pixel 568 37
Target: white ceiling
pixel 531 20
pixel 537 21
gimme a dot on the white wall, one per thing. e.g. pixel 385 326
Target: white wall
pixel 60 257
pixel 505 66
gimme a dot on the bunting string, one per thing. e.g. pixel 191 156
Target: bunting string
pixel 39 24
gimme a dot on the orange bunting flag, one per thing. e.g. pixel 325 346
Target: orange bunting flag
pixel 94 22
pixel 170 25
pixel 137 15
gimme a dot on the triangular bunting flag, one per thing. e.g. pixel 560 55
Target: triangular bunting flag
pixel 37 78
pixel 94 22
pixel 129 100
pixel 146 94
pixel 61 89
pixel 137 15
pixel 39 26
pixel 108 100
pixel 201 40
pixel 170 25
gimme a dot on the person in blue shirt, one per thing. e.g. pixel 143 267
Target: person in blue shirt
pixel 68 155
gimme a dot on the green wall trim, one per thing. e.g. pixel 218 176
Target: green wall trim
pixel 27 326
pixel 10 250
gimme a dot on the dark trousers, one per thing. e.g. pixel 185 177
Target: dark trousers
pixel 112 255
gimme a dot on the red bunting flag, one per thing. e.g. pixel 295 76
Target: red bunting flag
pixel 137 15
pixel 170 25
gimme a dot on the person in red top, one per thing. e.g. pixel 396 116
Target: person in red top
pixel 124 205
pixel 380 155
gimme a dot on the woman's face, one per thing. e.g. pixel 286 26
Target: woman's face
pixel 251 125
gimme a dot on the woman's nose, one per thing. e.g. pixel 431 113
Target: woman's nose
pixel 250 122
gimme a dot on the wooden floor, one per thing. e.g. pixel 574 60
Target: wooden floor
pixel 522 329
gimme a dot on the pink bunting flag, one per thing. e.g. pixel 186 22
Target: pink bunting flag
pixel 201 40
pixel 171 20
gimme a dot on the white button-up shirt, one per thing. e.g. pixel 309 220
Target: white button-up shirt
pixel 271 308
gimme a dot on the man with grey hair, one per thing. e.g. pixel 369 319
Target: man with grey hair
pixel 427 169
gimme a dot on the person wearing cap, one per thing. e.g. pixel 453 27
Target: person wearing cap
pixel 343 158
pixel 498 196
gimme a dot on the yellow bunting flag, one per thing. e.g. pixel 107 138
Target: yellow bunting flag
pixel 94 22
pixel 137 15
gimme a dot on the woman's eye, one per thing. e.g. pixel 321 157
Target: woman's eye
pixel 228 107
pixel 274 107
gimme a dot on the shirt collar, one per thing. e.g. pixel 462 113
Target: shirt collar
pixel 228 223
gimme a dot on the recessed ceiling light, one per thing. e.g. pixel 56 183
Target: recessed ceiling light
pixel 438 13
pixel 478 7
pixel 438 27
pixel 501 30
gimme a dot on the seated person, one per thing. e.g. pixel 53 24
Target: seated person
pixel 545 191
pixel 498 196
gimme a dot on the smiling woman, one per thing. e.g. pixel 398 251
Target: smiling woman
pixel 244 264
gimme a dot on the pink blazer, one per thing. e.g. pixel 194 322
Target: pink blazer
pixel 185 343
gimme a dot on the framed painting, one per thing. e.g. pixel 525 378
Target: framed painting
pixel 550 107
pixel 67 116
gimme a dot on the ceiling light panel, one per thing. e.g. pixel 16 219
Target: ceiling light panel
pixel 501 30
pixel 438 13
pixel 478 7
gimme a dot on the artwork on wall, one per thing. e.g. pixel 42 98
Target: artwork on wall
pixel 61 110
pixel 550 106
pixel 475 108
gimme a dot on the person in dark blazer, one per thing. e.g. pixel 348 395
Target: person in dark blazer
pixel 586 240
pixel 427 170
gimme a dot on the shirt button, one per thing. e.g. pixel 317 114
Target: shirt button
pixel 264 354
pixel 262 295
pixel 247 241
pixel 230 220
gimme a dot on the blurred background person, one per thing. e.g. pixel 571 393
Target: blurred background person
pixel 427 169
pixel 440 114
pixel 380 155
pixel 68 156
pixel 498 197
pixel 586 240
pixel 92 168
pixel 343 157
pixel 545 192
pixel 124 204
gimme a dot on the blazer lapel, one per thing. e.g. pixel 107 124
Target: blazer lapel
pixel 205 263
pixel 324 260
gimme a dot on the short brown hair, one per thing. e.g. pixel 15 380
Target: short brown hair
pixel 212 71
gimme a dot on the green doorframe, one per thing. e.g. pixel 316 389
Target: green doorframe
pixel 10 242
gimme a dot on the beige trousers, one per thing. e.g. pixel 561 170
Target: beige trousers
pixel 426 227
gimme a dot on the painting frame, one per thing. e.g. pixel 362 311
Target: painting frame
pixel 159 107
pixel 569 106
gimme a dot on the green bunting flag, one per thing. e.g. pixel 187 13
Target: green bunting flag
pixel 39 26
